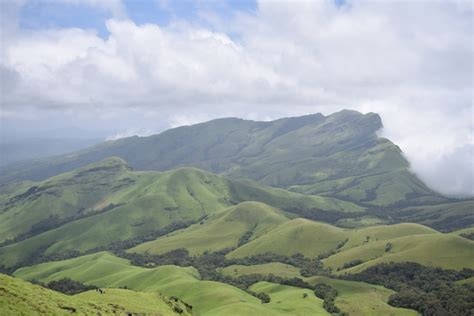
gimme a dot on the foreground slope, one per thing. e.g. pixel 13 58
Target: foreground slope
pixel 338 155
pixel 22 298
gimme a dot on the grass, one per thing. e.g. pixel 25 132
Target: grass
pixel 337 155
pixel 107 271
pixel 366 235
pixel 276 268
pixel 444 216
pixel 439 250
pixel 23 298
pixel 296 236
pixel 361 299
pixel 220 231
pixel 291 300
pixel 113 204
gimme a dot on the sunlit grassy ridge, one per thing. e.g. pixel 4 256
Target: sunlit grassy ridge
pixel 361 299
pixel 276 268
pixel 220 231
pixel 447 251
pixel 23 298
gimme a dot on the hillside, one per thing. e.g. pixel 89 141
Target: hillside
pixel 339 155
pixel 23 298
pixel 104 203
pixel 214 298
pixel 221 231
pixel 446 251
pixel 206 297
pixel 361 299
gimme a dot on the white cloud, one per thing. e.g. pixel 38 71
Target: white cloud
pixel 410 61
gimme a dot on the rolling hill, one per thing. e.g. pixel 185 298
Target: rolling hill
pixel 446 251
pixel 338 155
pixel 206 297
pixel 361 299
pixel 106 202
pixel 221 231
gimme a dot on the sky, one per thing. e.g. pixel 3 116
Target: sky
pixel 113 68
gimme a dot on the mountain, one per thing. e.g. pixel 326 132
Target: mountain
pixel 339 155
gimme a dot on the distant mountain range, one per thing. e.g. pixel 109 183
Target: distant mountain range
pixel 339 156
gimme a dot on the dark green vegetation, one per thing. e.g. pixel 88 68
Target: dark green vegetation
pixel 431 291
pixel 328 294
pixel 305 216
pixel 68 286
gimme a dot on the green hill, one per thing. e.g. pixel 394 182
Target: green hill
pixel 206 297
pixel 447 251
pixel 103 203
pixel 339 155
pixel 289 299
pixel 361 299
pixel 220 231
pixel 275 268
pixel 22 298
pixel 296 236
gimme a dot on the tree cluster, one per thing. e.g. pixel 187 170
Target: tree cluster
pixel 430 291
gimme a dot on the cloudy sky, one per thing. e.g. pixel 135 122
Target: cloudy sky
pixel 117 68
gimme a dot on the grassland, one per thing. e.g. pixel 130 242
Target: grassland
pixel 291 300
pixel 23 298
pixel 361 299
pixel 439 250
pixel 276 268
pixel 108 271
pixel 114 204
pixel 220 231
pixel 296 236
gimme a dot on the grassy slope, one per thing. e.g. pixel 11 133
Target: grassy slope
pixel 276 268
pixel 313 238
pixel 337 155
pixel 296 236
pixel 22 298
pixel 105 270
pixel 290 300
pixel 63 196
pixel 440 250
pixel 359 236
pixel 361 299
pixel 144 202
pixel 220 231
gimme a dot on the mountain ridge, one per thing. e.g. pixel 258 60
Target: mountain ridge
pixel 338 155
